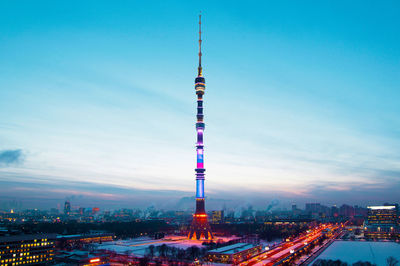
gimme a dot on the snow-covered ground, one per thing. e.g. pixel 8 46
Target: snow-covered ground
pixel 138 246
pixel 353 251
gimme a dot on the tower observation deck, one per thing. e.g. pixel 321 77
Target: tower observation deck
pixel 200 228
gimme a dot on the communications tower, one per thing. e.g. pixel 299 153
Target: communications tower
pixel 200 228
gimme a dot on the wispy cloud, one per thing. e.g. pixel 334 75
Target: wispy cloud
pixel 11 157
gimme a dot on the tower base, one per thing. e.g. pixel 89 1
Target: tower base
pixel 200 229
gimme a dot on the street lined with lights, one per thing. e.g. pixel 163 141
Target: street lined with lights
pixel 270 257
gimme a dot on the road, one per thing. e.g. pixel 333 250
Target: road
pixel 285 249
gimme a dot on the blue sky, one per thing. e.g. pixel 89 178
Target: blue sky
pixel 302 100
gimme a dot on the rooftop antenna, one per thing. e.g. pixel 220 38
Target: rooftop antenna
pixel 200 68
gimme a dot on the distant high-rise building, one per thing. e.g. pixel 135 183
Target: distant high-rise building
pixel 295 211
pixel 313 208
pixel 382 223
pixel 95 210
pixel 217 217
pixel 67 208
pixel 347 211
pixel 316 210
pixel 334 211
pixel 360 211
pixel 200 228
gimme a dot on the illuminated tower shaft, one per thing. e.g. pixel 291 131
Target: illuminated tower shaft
pixel 200 228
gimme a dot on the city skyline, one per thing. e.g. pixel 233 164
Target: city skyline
pixel 96 102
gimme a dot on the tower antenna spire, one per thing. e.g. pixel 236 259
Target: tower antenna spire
pixel 200 68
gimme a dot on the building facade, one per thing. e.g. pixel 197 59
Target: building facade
pixel 217 217
pixel 382 222
pixel 67 208
pixel 63 241
pixel 27 249
pixel 233 254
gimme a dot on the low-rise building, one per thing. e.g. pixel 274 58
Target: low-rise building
pixel 35 249
pixel 72 240
pixel 233 254
pixel 81 258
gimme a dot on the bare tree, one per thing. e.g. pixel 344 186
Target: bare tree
pixel 194 252
pixel 151 251
pixel 392 261
pixel 163 250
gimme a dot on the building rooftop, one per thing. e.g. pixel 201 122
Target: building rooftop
pixel 84 235
pixel 381 207
pixel 223 249
pixel 17 238
pixel 68 236
pixel 232 249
